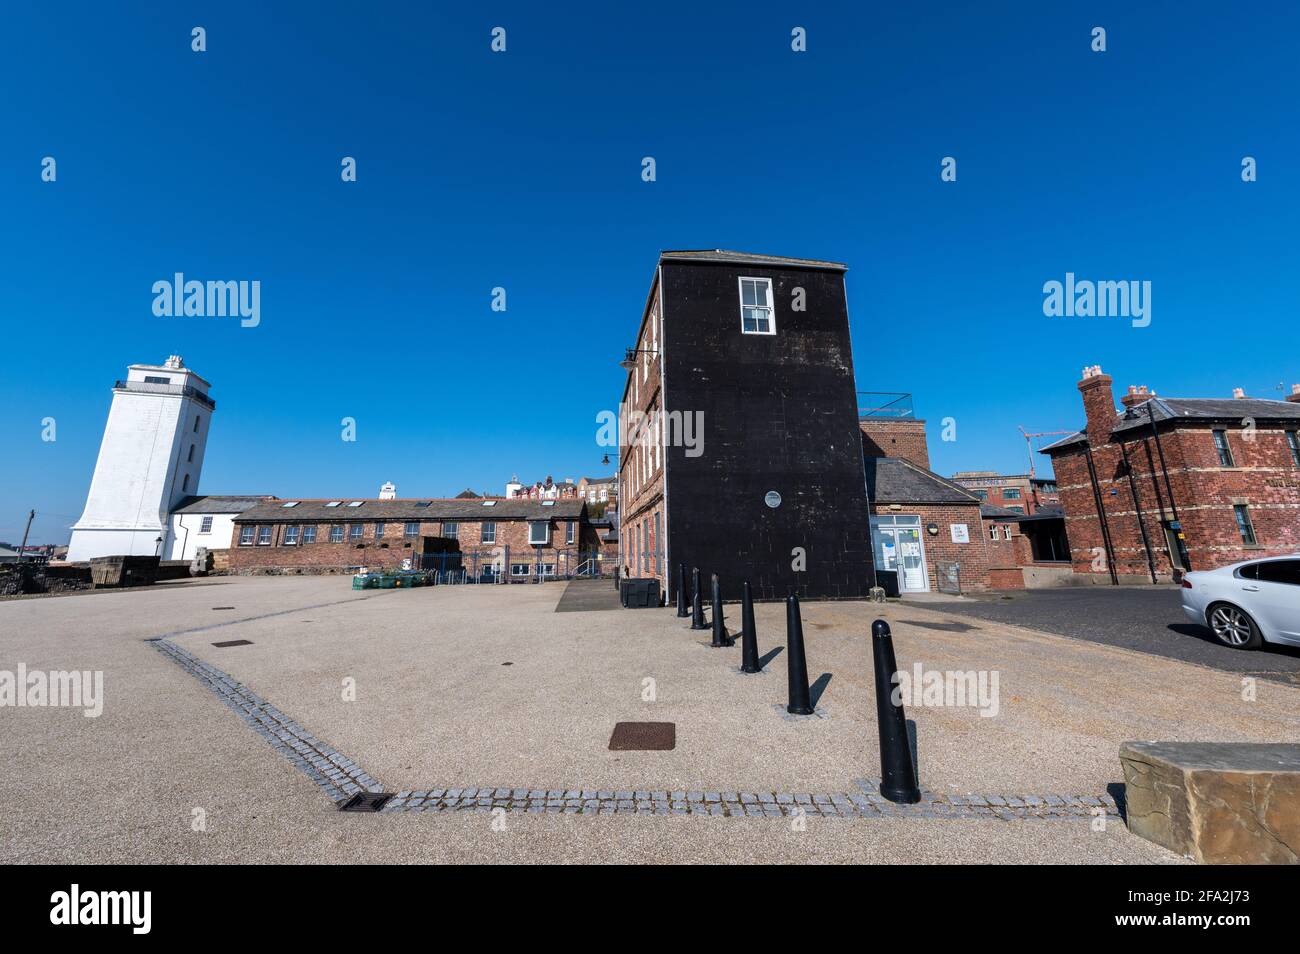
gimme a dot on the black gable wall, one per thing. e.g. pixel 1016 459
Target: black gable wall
pixel 780 413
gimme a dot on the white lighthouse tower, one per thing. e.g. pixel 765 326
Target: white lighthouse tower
pixel 149 460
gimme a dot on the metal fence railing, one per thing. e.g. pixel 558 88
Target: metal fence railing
pixel 513 565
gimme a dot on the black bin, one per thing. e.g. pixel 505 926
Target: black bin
pixel 640 593
pixel 888 581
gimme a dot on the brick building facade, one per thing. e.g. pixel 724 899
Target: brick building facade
pixel 1165 485
pixel 737 429
pixel 924 527
pixel 492 539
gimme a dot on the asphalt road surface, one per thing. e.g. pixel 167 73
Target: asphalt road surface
pixel 1149 619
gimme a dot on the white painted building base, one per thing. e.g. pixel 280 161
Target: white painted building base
pixel 88 543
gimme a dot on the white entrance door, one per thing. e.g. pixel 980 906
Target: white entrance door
pixel 898 547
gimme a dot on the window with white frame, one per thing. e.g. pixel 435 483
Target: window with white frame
pixel 520 569
pixel 756 314
pixel 539 531
pixel 309 534
pixel 205 525
pixel 290 536
pixel 1006 531
pixel 354 531
pixel 570 531
pixel 336 533
pixel 450 528
pixel 263 536
pixel 379 530
pixel 245 536
pixel 487 532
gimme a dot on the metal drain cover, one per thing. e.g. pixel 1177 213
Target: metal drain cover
pixel 234 642
pixel 366 802
pixel 643 737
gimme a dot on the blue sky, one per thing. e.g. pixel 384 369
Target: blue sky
pixel 522 170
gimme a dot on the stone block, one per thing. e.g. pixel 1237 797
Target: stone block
pixel 1216 802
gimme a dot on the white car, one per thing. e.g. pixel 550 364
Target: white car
pixel 1249 603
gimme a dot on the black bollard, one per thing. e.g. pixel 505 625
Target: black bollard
pixel 682 611
pixel 697 604
pixel 748 636
pixel 720 637
pixel 800 699
pixel 897 771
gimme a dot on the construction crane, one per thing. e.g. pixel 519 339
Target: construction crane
pixel 1029 444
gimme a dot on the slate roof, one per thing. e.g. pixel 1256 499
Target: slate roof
pixel 1206 409
pixel 1228 410
pixel 895 480
pixel 1045 512
pixel 219 504
pixel 993 512
pixel 316 511
pixel 747 258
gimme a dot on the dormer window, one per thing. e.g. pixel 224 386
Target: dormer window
pixel 757 316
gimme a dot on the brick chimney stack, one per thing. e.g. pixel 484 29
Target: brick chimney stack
pixel 1239 394
pixel 1098 405
pixel 1136 395
pixel 1295 393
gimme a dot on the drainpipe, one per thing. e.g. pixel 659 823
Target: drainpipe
pixel 1101 516
pixel 1169 490
pixel 1137 507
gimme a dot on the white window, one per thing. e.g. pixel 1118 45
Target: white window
pixel 336 534
pixel 355 530
pixel 205 525
pixel 1006 532
pixel 245 536
pixel 756 314
pixel 263 536
pixel 290 536
pixel 539 531
pixel 572 529
pixel 519 569
pixel 487 532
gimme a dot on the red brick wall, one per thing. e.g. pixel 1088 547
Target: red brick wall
pixel 1264 477
pixel 973 556
pixel 389 551
pixel 891 437
pixel 641 467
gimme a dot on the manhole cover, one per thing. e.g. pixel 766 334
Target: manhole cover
pixel 234 642
pixel 366 802
pixel 643 737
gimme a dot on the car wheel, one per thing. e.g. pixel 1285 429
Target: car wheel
pixel 1233 627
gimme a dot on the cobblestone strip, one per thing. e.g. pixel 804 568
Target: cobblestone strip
pixel 341 778
pixel 751 804
pixel 337 774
